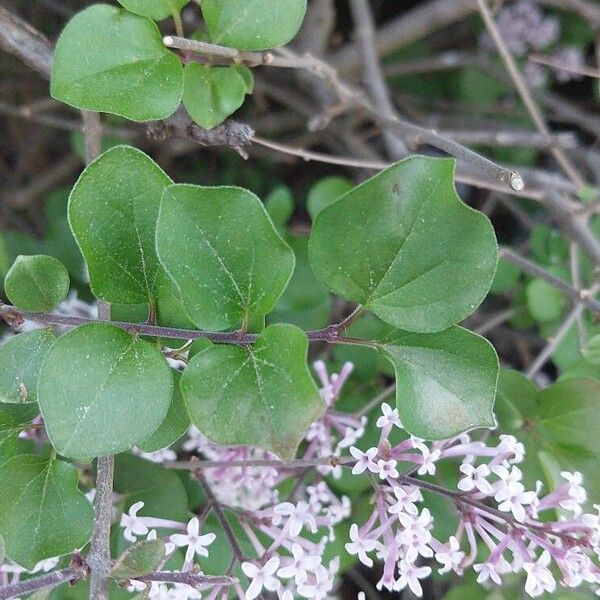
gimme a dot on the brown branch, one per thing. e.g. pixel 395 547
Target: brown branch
pixel 26 43
pixel 193 579
pixel 583 297
pixel 524 92
pixel 364 30
pixel 71 574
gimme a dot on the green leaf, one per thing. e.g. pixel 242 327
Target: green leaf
pixel 559 423
pixel 36 283
pixel 544 301
pixel 246 75
pixel 102 390
pixel 261 395
pixel 109 60
pixel 14 418
pixel 112 211
pixel 176 423
pixel 154 9
pixel 325 192
pixel 253 24
pixel 306 301
pixel 211 94
pixel 223 253
pixel 404 245
pixel 141 558
pixel 161 490
pixel 42 513
pixel 280 205
pixel 591 351
pixel 445 382
pixel 20 362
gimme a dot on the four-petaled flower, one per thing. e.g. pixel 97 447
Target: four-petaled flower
pixel 539 577
pixel 410 575
pixel 389 417
pixel 475 478
pixel 450 557
pixel 364 460
pixel 387 468
pixel 196 544
pixel 299 515
pixel 299 565
pixel 261 577
pixel 133 524
pixel 360 546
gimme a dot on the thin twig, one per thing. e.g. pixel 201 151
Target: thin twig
pixel 71 574
pixel 524 93
pixel 364 30
pixel 583 297
pixel 193 579
pixel 375 402
pixel 218 510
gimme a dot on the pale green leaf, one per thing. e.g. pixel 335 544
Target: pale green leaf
pixel 112 211
pixel 143 557
pixel 20 363
pixel 36 283
pixel 228 262
pixel 445 382
pixel 110 60
pixel 211 94
pixel 102 390
pixel 260 395
pixel 42 513
pixel 154 9
pixel 253 24
pixel 404 245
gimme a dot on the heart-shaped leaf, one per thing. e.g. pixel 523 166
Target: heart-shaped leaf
pixel 445 382
pixel 102 390
pixel 42 513
pixel 404 245
pixel 112 211
pixel 110 60
pixel 223 253
pixel 261 395
pixel 211 94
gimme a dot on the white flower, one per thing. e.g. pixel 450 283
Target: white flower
pixel 360 546
pixel 319 586
pixel 299 515
pixel 196 544
pixel 406 498
pixel 539 577
pixel 510 445
pixel 299 565
pixel 364 460
pixel 416 534
pixel 429 458
pixel 510 492
pixel 410 575
pixel 133 524
pixel 487 571
pixel 261 577
pixel 451 557
pixel 387 468
pixel 577 493
pixel 390 416
pixel 475 477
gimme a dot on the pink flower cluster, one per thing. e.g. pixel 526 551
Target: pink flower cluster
pixel 493 505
